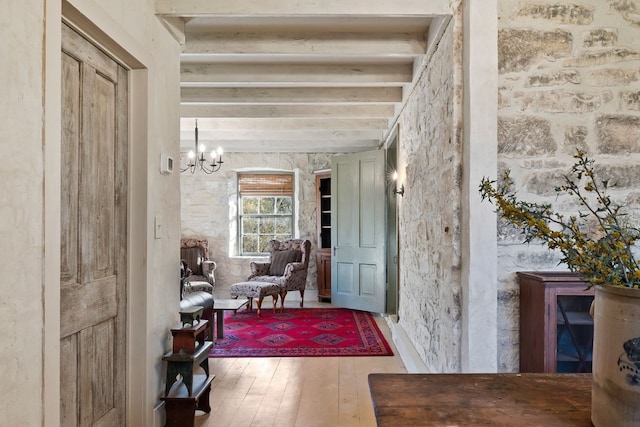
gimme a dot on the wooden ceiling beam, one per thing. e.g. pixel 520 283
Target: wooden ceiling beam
pixel 266 145
pixel 280 124
pixel 256 73
pixel 275 110
pixel 304 43
pixel 303 8
pixel 210 137
pixel 292 95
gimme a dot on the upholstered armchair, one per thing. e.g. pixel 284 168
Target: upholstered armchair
pixel 287 267
pixel 200 270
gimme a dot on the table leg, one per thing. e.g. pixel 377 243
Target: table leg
pixel 220 323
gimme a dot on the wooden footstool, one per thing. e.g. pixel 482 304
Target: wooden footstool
pixel 258 290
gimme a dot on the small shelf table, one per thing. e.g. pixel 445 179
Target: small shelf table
pixel 187 388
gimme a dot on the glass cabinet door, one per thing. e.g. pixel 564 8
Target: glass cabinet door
pixel 574 333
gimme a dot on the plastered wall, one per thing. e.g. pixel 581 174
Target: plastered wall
pixel 30 179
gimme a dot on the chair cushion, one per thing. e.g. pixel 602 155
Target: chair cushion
pixel 194 258
pixel 280 259
pixel 254 289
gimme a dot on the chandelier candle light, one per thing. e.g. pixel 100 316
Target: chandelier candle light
pixel 197 160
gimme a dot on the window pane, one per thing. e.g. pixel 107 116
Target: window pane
pixel 267 205
pixel 267 225
pixel 283 225
pixel 283 206
pixel 264 242
pixel 249 225
pixel 282 237
pixel 250 243
pixel 250 205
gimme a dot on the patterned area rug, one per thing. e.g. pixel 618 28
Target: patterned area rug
pixel 303 332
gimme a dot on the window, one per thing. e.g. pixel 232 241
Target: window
pixel 265 210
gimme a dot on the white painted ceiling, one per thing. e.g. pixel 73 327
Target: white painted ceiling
pixel 291 82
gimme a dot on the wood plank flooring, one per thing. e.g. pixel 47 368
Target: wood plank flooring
pixel 295 391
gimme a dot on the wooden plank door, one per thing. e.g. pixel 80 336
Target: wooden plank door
pixel 93 236
pixel 358 231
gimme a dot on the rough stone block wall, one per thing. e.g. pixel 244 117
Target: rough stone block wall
pixel 209 208
pixel 569 78
pixel 430 288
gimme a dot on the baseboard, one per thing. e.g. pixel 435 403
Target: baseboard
pixel 407 352
pixel 159 415
pixel 309 295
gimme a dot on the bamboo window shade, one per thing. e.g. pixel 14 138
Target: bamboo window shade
pixel 265 184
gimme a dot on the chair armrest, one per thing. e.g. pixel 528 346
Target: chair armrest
pixel 208 268
pixel 259 269
pixel 192 287
pixel 293 267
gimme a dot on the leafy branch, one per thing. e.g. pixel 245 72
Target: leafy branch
pixel 602 254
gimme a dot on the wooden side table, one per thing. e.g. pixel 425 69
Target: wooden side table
pixel 220 306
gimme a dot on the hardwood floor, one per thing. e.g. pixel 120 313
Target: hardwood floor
pixel 295 391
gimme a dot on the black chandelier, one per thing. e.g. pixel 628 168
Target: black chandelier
pixel 197 161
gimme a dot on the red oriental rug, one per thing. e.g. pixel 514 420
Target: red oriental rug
pixel 303 332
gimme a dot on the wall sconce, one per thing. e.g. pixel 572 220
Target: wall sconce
pixel 395 179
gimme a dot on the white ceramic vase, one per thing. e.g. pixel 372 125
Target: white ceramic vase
pixel 615 398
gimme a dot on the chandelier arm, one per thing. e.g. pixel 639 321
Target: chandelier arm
pixel 199 162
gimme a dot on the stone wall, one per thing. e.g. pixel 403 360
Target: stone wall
pixel 209 207
pixel 429 260
pixel 569 78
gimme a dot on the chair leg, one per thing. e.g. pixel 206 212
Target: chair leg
pixel 275 302
pixel 283 295
pixel 260 305
pixel 301 298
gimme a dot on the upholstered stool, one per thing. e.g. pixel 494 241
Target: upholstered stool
pixel 257 290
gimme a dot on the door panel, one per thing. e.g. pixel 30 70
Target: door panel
pixel 69 369
pixel 93 236
pixel 358 231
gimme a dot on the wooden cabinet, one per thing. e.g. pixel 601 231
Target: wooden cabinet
pixel 323 251
pixel 556 329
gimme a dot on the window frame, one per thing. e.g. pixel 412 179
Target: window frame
pixel 263 194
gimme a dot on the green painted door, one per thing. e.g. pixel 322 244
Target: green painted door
pixel 358 231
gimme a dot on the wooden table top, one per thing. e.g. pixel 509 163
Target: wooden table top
pixel 229 304
pixel 547 400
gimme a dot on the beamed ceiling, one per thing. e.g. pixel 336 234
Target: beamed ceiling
pixel 270 78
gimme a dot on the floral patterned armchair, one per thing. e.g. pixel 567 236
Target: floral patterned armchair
pixel 287 267
pixel 199 269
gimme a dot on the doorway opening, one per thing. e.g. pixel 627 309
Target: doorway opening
pixel 393 291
